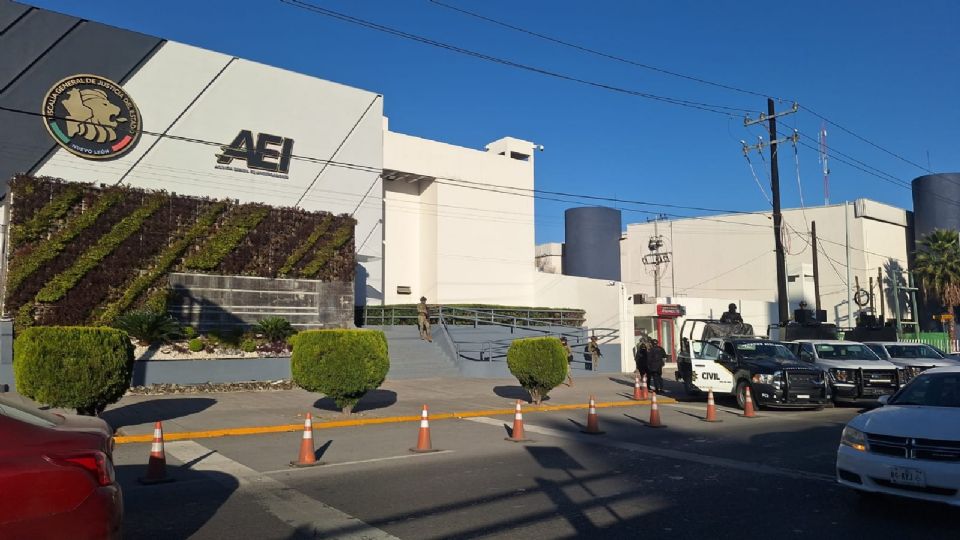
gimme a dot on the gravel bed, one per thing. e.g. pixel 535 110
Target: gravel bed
pixel 249 386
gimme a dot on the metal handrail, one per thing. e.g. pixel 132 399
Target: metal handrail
pixel 475 315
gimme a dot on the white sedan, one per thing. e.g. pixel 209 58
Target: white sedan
pixel 910 446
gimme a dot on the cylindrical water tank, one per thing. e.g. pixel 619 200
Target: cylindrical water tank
pixel 936 203
pixel 592 246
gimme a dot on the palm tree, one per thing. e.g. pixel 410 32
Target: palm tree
pixel 937 266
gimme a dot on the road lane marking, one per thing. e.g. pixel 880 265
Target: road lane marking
pixel 297 510
pixel 668 453
pixel 261 430
pixel 777 415
pixel 359 462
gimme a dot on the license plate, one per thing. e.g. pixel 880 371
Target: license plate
pixel 907 477
pixel 803 396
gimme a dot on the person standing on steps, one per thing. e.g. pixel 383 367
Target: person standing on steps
pixel 593 354
pixel 569 352
pixel 656 359
pixel 423 319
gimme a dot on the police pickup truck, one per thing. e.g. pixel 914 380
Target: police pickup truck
pixel 729 363
pixel 856 374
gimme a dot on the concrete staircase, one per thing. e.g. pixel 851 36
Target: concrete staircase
pixel 413 358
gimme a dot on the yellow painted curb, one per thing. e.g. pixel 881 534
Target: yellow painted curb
pixel 260 430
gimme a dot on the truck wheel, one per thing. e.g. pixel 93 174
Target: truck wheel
pixel 742 396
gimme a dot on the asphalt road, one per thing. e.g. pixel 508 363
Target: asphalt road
pixel 740 478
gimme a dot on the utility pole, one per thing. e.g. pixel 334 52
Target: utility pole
pixel 656 257
pixel 771 118
pixel 816 265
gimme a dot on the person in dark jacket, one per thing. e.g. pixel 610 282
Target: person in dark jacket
pixel 656 359
pixel 731 316
pixel 640 358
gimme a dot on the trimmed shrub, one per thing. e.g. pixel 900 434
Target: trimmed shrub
pixel 196 345
pixel 188 332
pixel 148 327
pixel 275 329
pixel 539 364
pixel 248 345
pixel 342 364
pixel 85 368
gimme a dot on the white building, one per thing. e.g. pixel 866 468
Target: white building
pixel 450 223
pixel 717 260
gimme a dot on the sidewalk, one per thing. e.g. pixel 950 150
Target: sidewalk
pixel 240 413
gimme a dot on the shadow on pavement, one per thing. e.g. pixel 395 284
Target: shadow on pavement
pixel 514 392
pixel 158 511
pixel 155 410
pixel 373 400
pixel 622 381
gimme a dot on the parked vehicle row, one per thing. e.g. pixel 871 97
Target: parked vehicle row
pixel 809 373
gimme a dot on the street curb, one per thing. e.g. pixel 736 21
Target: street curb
pixel 260 430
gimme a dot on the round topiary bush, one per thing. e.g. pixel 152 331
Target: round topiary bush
pixel 85 368
pixel 539 364
pixel 196 345
pixel 342 364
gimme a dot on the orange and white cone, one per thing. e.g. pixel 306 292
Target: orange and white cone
pixel 644 389
pixel 654 412
pixel 517 434
pixel 593 421
pixel 157 466
pixel 748 411
pixel 307 456
pixel 711 408
pixel 423 438
pixel 637 393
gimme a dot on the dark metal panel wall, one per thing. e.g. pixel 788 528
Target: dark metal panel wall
pixel 592 243
pixel 56 46
pixel 28 38
pixel 10 12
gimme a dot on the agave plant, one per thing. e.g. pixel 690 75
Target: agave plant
pixel 148 327
pixel 275 329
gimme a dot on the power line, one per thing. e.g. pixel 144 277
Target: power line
pixel 864 139
pixel 313 8
pixel 449 180
pixel 700 80
pixel 597 52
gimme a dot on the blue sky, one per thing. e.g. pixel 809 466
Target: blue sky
pixel 887 70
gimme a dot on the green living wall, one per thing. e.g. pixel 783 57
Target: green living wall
pixel 82 254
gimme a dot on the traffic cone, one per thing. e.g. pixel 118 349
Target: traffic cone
pixel 423 439
pixel 654 413
pixel 644 389
pixel 157 466
pixel 307 456
pixel 517 435
pixel 637 393
pixel 593 421
pixel 711 408
pixel 748 411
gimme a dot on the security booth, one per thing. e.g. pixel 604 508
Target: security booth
pixel 658 321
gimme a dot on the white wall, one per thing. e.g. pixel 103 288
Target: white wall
pixel 316 114
pixel 474 245
pixel 732 256
pixel 605 303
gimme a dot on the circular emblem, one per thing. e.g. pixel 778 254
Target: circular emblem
pixel 92 117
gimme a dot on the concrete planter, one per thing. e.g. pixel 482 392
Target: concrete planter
pixel 219 370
